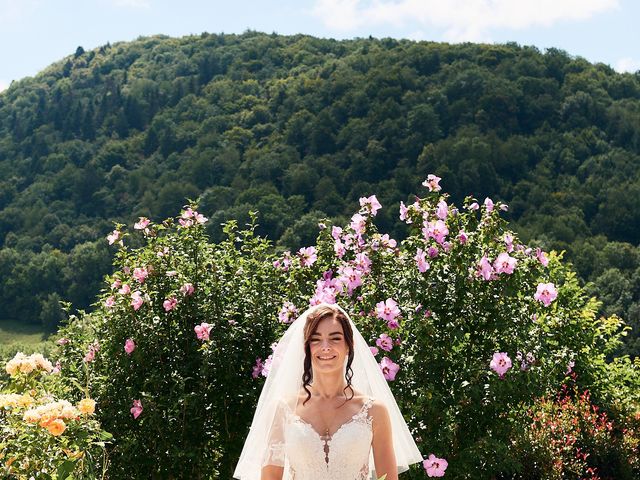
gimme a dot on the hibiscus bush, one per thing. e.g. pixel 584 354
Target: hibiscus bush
pixel 468 325
pixel 43 435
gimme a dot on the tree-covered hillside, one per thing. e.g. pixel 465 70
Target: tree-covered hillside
pixel 299 128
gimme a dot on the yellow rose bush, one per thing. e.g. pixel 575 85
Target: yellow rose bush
pixel 42 435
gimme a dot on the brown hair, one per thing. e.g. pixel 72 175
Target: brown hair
pixel 313 319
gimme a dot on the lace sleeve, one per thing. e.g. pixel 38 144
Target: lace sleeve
pixel 275 451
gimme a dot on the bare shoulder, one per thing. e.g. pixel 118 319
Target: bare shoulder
pixel 379 411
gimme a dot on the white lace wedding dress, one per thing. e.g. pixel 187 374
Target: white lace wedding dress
pixel 306 455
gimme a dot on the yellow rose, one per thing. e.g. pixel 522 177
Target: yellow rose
pixel 56 427
pixel 87 405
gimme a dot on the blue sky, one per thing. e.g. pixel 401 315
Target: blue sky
pixel 36 33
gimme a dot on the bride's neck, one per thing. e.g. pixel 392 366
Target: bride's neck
pixel 328 386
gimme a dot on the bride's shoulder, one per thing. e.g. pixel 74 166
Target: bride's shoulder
pixel 378 411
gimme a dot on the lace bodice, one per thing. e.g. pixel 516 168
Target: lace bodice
pixel 306 455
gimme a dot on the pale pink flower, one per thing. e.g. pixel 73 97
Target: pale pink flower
pixel 185 223
pixel 446 246
pixel 171 273
pixel 266 366
pixel 140 274
pixel 129 346
pixel 437 230
pixel 110 302
pixel 500 363
pixel 508 241
pixel 504 263
pixel 336 232
pixel 363 263
pixel 358 223
pixel 570 366
pixel 125 289
pixel 339 248
pixel 308 256
pixel 142 223
pixel 326 291
pixel 404 213
pixel 116 283
pixel 434 466
pixel 503 206
pixel 203 330
pixel 136 300
pixel 113 237
pixel 91 353
pixel 385 342
pixel 462 237
pixel 432 183
pixel 432 251
pixel 349 277
pixel 488 203
pixel 186 289
pixel 371 204
pixel 542 257
pixel 169 304
pixel 374 350
pixel 287 313
pixel 546 293
pixel 201 219
pixel 421 260
pixel 257 368
pixel 136 409
pixel 474 206
pixel 389 368
pixel 387 310
pixel 442 210
pixel 63 341
pixel 485 269
pixel 57 368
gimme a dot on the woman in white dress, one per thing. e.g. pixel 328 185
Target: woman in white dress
pixel 325 411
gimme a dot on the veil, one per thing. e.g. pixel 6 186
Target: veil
pixel 284 383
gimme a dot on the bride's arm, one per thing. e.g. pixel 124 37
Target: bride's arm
pixel 271 472
pixel 383 455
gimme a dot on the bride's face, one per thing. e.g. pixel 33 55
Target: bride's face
pixel 328 346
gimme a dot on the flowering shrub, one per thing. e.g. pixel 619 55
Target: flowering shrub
pixel 43 437
pixel 570 437
pixel 468 325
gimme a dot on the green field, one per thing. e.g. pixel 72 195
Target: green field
pixel 15 336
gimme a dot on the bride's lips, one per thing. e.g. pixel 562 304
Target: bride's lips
pixel 326 359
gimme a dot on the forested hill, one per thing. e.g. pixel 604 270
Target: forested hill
pixel 299 128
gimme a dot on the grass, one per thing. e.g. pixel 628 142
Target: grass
pixel 16 332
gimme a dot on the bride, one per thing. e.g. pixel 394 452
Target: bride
pixel 325 411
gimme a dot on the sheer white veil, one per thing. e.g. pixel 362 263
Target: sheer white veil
pixel 284 383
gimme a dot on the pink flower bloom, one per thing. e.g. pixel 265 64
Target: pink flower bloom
pixel 201 219
pixel 116 283
pixel 136 300
pixel 371 203
pixel 432 183
pixel 474 206
pixel 186 289
pixel 57 368
pixel 91 353
pixel 421 260
pixel 171 273
pixel 129 346
pixel 358 223
pixel 404 213
pixel 363 263
pixel 257 368
pixel 169 304
pixel 389 369
pixel 125 289
pixel 326 291
pixel 113 237
pixel 266 366
pixel 546 293
pixel 508 241
pixel 462 237
pixel 570 366
pixel 542 257
pixel 136 410
pixel 349 277
pixel 442 210
pixel 126 270
pixel 339 248
pixel 336 232
pixel 203 330
pixel 488 203
pixel 308 256
pixel 435 466
pixel 385 342
pixel 142 223
pixel 437 230
pixel 110 302
pixel 374 350
pixel 504 263
pixel 504 207
pixel 185 223
pixel 432 251
pixel 484 268
pixel 63 341
pixel 500 363
pixel 387 310
pixel 140 274
pixel 288 313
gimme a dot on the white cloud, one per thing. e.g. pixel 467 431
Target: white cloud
pixel 462 20
pixel 627 64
